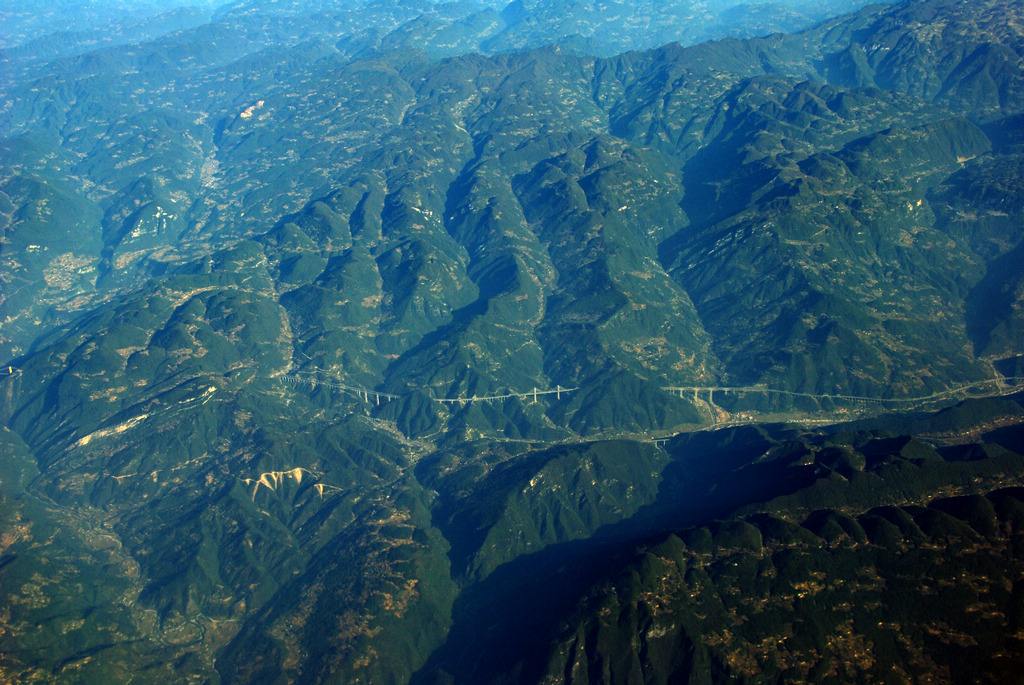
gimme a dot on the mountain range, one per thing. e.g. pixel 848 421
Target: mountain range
pixel 486 342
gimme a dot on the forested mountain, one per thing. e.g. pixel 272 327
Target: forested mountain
pixel 38 31
pixel 375 342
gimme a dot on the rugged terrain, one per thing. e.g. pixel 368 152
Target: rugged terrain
pixel 453 350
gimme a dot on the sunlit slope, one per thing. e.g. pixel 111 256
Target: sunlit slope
pixel 257 286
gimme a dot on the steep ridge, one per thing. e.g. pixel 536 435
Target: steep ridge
pixel 783 211
pixel 829 596
pixel 780 511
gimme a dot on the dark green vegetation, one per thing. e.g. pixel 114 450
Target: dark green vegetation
pixel 831 597
pixel 833 554
pixel 244 263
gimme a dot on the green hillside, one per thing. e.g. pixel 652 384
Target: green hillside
pixel 375 342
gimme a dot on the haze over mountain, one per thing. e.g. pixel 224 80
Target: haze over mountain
pixel 485 342
pixel 37 32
